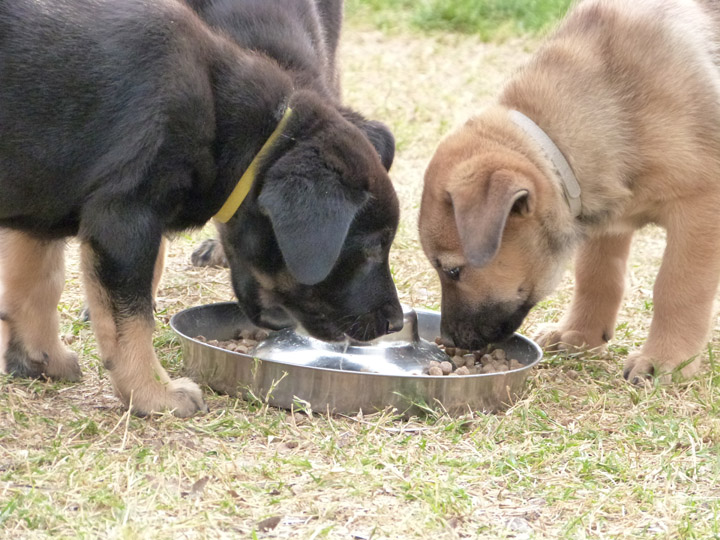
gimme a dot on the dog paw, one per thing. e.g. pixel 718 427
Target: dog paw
pixel 19 364
pixel 556 339
pixel 61 364
pixel 209 253
pixel 64 366
pixel 182 397
pixel 641 368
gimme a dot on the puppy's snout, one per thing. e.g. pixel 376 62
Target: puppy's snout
pixel 473 328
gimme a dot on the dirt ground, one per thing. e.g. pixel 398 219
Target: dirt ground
pixel 581 456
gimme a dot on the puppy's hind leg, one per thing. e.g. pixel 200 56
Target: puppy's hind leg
pixel 32 276
pixel 210 252
pixel 600 268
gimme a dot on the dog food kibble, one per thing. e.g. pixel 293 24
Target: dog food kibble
pixel 244 341
pixel 446 368
pixel 465 362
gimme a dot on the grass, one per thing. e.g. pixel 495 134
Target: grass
pixel 581 455
pixel 490 19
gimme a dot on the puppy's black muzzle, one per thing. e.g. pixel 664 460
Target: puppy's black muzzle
pixel 476 328
pixel 385 320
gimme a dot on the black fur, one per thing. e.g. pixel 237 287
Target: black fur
pixel 311 213
pixel 121 120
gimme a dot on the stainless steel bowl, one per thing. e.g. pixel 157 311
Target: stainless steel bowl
pixel 399 353
pixel 292 369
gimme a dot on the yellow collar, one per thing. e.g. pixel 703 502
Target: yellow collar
pixel 246 180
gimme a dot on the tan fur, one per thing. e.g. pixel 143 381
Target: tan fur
pixel 32 274
pixel 630 93
pixel 125 344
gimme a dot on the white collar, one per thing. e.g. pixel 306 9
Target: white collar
pixel 570 185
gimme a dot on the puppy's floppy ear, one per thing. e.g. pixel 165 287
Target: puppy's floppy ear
pixel 311 215
pixel 377 133
pixel 382 139
pixel 482 208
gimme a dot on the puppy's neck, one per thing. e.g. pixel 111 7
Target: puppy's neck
pixel 585 120
pixel 560 166
pixel 251 96
pixel 600 176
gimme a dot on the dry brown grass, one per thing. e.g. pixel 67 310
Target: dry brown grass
pixel 583 455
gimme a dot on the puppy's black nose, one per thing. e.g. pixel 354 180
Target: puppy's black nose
pixel 395 322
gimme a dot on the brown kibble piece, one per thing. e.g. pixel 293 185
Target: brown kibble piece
pixel 446 367
pixel 486 359
pixel 435 371
pixel 514 364
pixel 469 360
pixel 462 371
pixel 487 368
pixel 434 363
pixel 459 361
pixel 500 367
pixel 450 351
pixel 498 354
pixel 201 338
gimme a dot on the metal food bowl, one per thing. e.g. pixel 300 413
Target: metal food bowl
pixel 290 368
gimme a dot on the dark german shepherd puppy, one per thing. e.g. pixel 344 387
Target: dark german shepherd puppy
pixel 123 120
pixel 304 42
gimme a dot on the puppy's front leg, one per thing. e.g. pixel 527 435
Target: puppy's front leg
pixel 118 268
pixel 600 268
pixel 683 296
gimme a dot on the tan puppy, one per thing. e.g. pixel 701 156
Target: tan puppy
pixel 629 94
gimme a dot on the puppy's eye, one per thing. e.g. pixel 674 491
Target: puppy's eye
pixel 452 273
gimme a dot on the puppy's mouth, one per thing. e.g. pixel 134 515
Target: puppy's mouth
pixel 357 330
pixel 358 327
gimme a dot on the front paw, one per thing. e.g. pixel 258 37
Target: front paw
pixel 641 368
pixel 182 397
pixel 559 339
